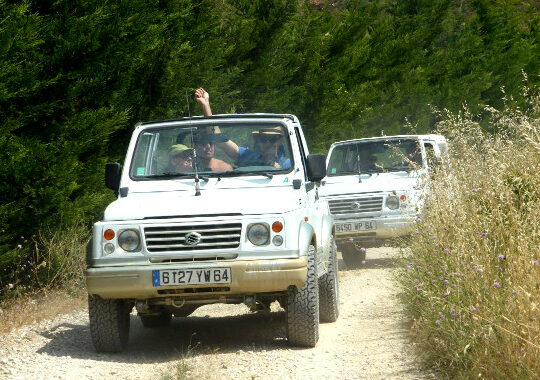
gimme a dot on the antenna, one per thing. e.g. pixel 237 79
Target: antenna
pixel 358 164
pixel 187 102
pixel 197 186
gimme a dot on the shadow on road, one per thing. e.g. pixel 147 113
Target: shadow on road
pixel 192 336
pixel 375 263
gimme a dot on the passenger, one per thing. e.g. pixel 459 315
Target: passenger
pixel 414 154
pixel 204 145
pixel 268 149
pixel 180 159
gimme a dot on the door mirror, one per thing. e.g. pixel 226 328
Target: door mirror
pixel 112 175
pixel 316 167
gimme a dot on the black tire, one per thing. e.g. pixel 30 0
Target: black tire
pixel 352 256
pixel 303 308
pixel 329 288
pixel 159 320
pixel 109 323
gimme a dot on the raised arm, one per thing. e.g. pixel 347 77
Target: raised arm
pixel 229 147
pixel 203 98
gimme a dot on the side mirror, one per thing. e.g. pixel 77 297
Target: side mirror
pixel 113 172
pixel 316 167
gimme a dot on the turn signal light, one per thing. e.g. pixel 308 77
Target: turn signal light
pixel 277 227
pixel 108 234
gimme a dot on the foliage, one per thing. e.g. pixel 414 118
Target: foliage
pixel 76 75
pixel 471 282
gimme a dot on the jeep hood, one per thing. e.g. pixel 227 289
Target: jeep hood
pixel 248 201
pixel 383 182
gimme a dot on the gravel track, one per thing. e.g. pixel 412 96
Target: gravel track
pixel 368 341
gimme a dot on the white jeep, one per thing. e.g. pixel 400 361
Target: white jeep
pixel 177 240
pixel 375 188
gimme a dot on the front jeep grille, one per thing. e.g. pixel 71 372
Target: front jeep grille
pixel 355 205
pixel 201 237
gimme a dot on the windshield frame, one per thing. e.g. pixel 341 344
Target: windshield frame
pixel 382 170
pixel 199 124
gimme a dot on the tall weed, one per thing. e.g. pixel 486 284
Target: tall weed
pixel 61 261
pixel 472 280
pixel 56 261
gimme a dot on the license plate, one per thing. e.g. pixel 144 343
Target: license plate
pixel 357 226
pixel 191 276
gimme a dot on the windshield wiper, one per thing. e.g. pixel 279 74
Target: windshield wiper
pixel 178 175
pixel 399 169
pixel 343 172
pixel 369 171
pixel 266 174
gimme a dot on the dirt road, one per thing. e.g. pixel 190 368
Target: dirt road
pixel 368 341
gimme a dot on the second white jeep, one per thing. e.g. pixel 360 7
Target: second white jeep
pixel 376 187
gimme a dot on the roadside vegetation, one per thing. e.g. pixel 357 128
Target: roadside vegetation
pixel 75 76
pixel 50 281
pixel 471 282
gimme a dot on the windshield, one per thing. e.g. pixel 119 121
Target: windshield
pixel 376 156
pixel 215 150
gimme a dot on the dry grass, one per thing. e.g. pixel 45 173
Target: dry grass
pixel 49 283
pixel 472 284
pixel 29 308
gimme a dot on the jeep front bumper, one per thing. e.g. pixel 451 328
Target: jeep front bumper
pixel 247 277
pixel 387 227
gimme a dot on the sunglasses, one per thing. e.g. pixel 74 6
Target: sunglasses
pixel 271 139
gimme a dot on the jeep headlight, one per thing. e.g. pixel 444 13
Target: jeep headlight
pixel 258 234
pixel 129 240
pixel 392 202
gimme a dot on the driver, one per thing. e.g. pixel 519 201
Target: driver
pixel 366 160
pixel 268 150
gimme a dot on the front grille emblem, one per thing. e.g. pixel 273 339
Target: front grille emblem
pixel 355 206
pixel 193 238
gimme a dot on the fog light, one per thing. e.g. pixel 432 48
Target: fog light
pixel 277 240
pixel 108 248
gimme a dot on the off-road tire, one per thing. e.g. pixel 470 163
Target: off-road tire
pixel 159 320
pixel 329 288
pixel 352 256
pixel 109 323
pixel 303 308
